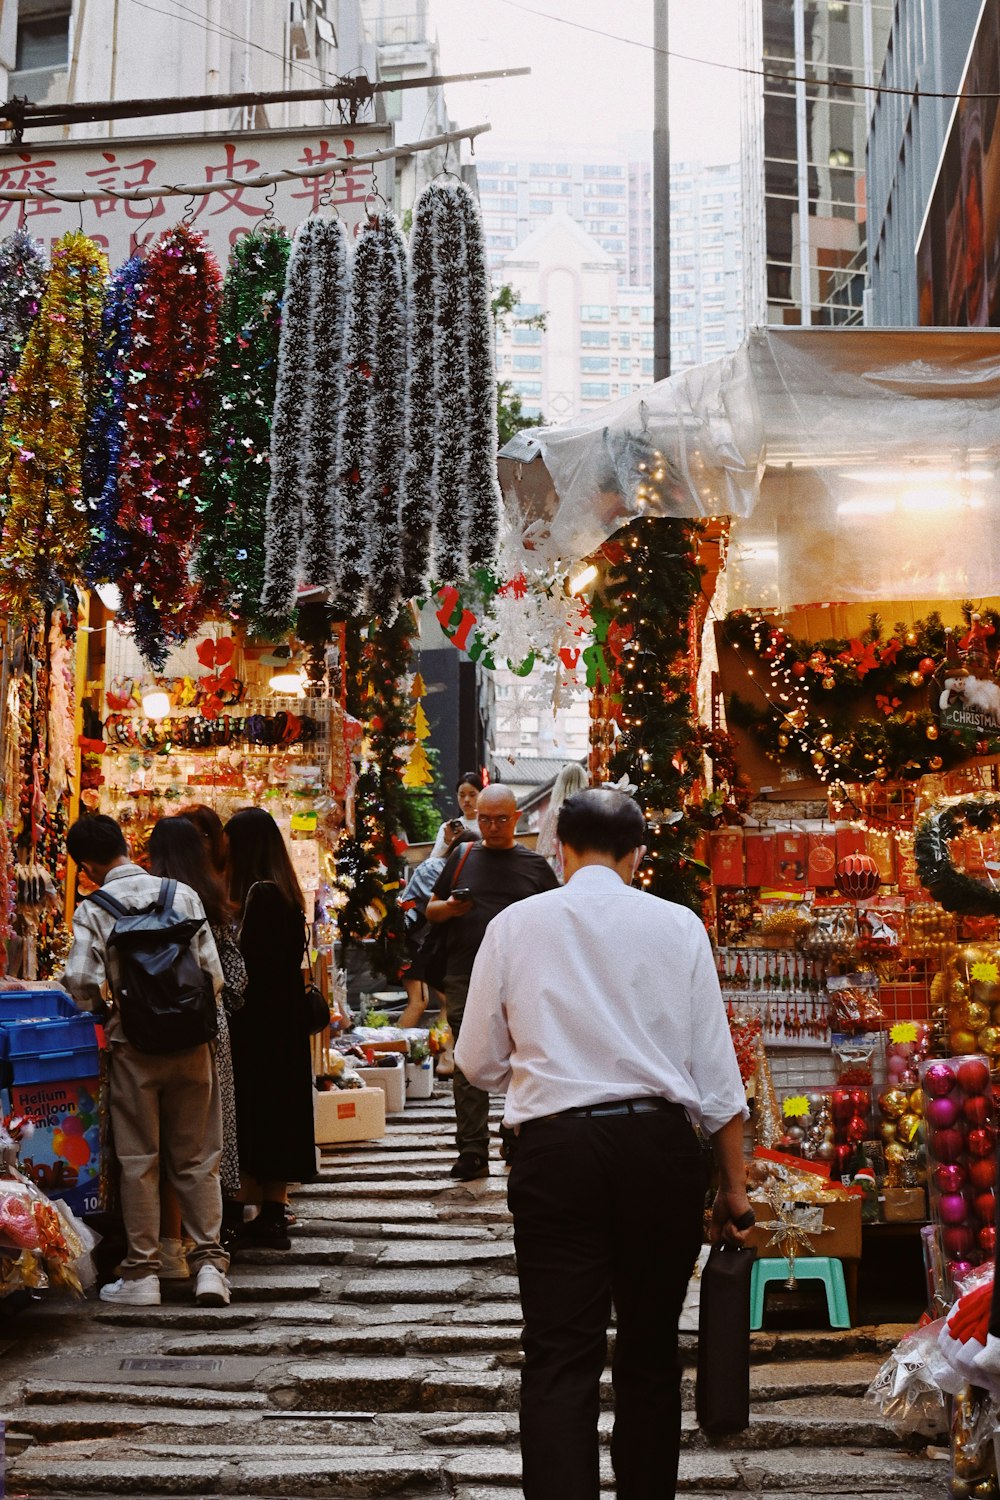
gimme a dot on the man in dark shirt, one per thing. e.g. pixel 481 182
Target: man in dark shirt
pixel 495 873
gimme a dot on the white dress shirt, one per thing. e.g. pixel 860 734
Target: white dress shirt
pixel 597 992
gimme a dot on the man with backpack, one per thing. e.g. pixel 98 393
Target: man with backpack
pixel 144 959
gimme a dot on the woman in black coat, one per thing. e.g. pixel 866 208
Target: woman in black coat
pixel 272 1060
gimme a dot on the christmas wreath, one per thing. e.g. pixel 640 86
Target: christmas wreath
pixel 949 887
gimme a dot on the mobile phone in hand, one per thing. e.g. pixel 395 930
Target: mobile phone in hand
pixel 456 825
pixel 462 894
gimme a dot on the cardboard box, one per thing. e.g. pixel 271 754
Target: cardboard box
pixel 843 1242
pixel 392 1082
pixel 904 1205
pixel 63 1156
pixel 349 1115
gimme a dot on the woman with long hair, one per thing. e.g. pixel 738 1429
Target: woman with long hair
pixel 209 827
pixel 271 1052
pixel 178 852
pixel 467 790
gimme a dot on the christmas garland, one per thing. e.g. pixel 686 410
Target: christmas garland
pixel 354 526
pixel 46 532
pixel 166 441
pixel 104 439
pixel 233 532
pixel 331 284
pixel 22 284
pixel 484 498
pixel 451 411
pixel 385 466
pixel 652 582
pixel 417 519
pixel 951 889
pixel 825 737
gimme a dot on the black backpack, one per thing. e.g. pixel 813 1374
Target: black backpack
pixel 165 998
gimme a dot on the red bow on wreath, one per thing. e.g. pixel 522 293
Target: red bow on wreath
pixel 219 655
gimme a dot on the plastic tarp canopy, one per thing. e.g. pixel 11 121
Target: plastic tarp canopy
pixel 856 464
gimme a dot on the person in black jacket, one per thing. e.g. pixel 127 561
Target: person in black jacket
pixel 272 1062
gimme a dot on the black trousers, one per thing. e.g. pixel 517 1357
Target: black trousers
pixel 607 1209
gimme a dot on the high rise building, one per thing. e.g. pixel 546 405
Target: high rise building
pixel 928 53
pixel 806 103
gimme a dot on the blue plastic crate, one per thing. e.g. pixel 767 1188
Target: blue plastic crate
pixel 55 1067
pixel 30 1038
pixel 35 1005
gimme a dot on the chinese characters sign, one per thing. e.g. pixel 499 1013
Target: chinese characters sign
pixel 120 226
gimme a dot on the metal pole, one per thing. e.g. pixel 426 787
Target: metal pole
pixel 802 165
pixel 661 191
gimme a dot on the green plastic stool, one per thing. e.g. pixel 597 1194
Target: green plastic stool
pixel 811 1268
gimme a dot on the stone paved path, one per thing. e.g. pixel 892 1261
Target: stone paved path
pixel 380 1357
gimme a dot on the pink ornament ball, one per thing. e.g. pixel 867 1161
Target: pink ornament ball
pixel 957 1269
pixel 958 1243
pixel 953 1208
pixel 942 1112
pixel 947 1145
pixel 981 1142
pixel 973 1075
pixel 939 1080
pixel 895 1066
pixel 949 1179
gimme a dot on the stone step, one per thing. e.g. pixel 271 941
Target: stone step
pixel 317 1249
pixel 430 1285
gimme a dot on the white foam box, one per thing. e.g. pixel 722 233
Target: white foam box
pixel 349 1115
pixel 392 1082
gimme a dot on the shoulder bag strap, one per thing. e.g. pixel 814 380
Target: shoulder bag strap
pixel 461 864
pixel 165 900
pixel 109 904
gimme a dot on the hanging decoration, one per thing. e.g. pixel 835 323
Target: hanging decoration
pixel 812 692
pixel 419 772
pixel 350 574
pixel 231 556
pixel 652 582
pixel 104 438
pixel 46 532
pixel 166 442
pixel 452 502
pixel 951 888
pixel 22 283
pixel 384 468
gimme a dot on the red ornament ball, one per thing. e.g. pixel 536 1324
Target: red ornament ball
pixel 857 877
pixel 981 1142
pixel 927 666
pixel 987 1238
pixel 799 669
pixel 958 1241
pixel 985 1206
pixel 977 1109
pixel 974 1075
pixel 983 1173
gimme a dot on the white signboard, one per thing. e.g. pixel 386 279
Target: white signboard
pixel 120 227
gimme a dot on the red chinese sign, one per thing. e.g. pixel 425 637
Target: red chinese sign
pixel 121 225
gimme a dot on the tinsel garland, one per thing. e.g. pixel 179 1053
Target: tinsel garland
pixel 653 582
pixel 484 499
pixel 384 467
pixel 104 438
pixel 46 533
pixel 949 887
pixel 421 441
pixel 166 439
pixel 370 864
pixel 354 527
pixel 451 409
pixel 231 556
pixel 22 283
pixel 319 497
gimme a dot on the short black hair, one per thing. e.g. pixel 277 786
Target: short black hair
pixel 601 820
pixel 469 778
pixel 96 839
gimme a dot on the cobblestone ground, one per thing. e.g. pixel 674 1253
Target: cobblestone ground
pixel 380 1357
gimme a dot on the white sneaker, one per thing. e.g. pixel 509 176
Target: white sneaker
pixel 140 1291
pixel 173 1261
pixel 211 1289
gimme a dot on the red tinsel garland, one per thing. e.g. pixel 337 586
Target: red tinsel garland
pixel 165 440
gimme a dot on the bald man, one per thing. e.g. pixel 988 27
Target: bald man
pixel 494 874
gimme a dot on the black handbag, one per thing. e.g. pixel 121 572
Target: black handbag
pixel 722 1392
pixel 315 1006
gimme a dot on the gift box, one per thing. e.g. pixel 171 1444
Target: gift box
pixel 349 1115
pixel 841 1241
pixel 727 857
pixel 792 850
pixel 759 857
pixel 904 1205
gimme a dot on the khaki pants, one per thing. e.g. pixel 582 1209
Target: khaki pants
pixel 167 1109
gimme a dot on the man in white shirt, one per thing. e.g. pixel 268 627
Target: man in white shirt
pixel 598 1009
pixel 162 1105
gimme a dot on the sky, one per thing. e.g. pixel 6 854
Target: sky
pixel 587 89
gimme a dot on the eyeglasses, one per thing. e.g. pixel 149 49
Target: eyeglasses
pixel 485 818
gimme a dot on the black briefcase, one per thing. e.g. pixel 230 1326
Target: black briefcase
pixel 722 1394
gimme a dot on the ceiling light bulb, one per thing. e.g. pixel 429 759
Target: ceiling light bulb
pixel 290 684
pixel 156 704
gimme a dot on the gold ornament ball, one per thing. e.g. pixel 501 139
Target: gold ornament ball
pixel 995 1015
pixel 976 1016
pixel 783 741
pixel 917 1101
pixel 935 762
pixel 932 731
pixel 906 1128
pixel 911 637
pixel 962 1042
pixel 827 742
pixel 916 679
pixel 894 1103
pixel 818 758
pixel 895 1152
pixel 829 682
pixel 989 1039
pixel 888 1130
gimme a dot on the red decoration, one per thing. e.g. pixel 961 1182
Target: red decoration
pixel 857 877
pixel 927 666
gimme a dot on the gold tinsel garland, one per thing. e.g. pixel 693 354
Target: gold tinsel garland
pixel 46 529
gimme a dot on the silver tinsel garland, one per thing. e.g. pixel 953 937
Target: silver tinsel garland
pixel 387 421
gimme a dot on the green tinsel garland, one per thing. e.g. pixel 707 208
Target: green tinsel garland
pixel 231 557
pixel 952 890
pixel 653 584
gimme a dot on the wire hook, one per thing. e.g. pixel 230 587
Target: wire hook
pixel 189 212
pixel 79 206
pixel 269 197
